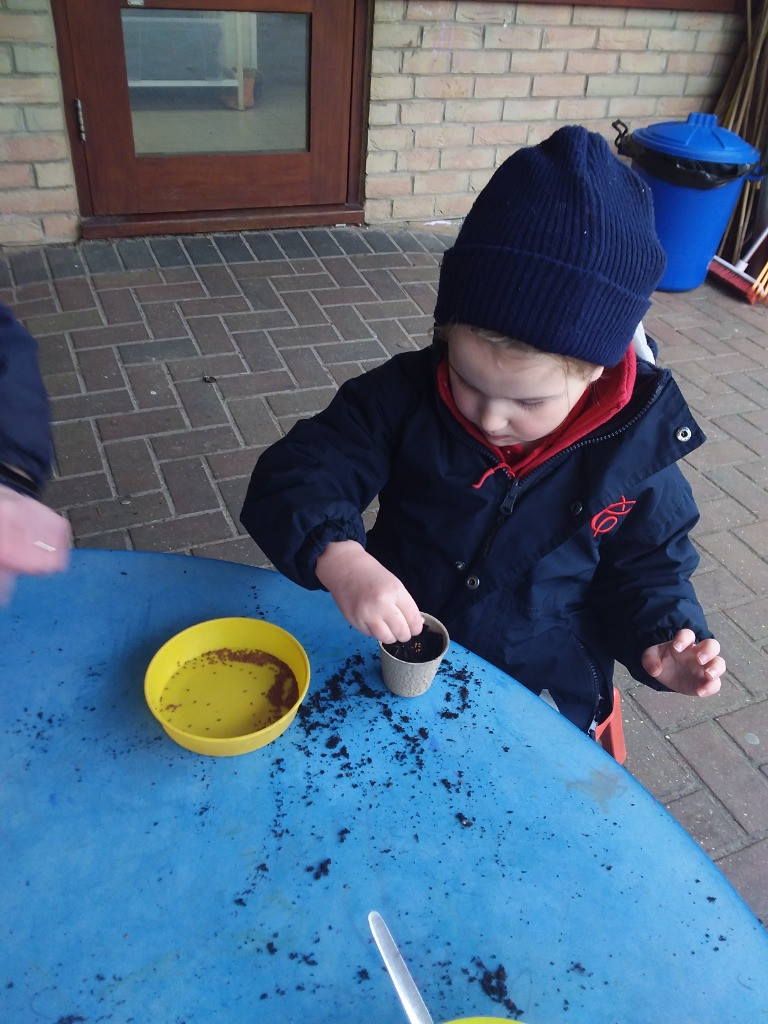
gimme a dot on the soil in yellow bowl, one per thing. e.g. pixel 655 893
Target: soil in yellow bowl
pixel 227 686
pixel 226 692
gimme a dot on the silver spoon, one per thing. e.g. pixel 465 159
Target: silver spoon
pixel 410 996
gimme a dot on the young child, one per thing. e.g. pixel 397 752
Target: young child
pixel 525 463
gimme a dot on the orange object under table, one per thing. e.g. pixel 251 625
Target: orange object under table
pixel 610 733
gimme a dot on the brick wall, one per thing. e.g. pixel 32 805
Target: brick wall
pixel 456 86
pixel 37 191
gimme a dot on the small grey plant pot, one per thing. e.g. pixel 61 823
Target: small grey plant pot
pixel 409 678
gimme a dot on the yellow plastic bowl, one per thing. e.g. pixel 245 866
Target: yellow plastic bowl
pixel 222 687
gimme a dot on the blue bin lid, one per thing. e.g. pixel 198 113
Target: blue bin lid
pixel 698 138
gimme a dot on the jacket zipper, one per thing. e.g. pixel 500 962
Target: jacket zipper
pixel 596 694
pixel 504 512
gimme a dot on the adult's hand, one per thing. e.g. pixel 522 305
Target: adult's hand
pixel 34 539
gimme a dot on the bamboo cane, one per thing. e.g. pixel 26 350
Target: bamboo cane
pixel 742 108
pixel 759 289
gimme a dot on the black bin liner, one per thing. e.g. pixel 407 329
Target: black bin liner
pixel 678 170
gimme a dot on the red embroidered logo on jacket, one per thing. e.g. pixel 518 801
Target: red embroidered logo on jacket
pixel 606 520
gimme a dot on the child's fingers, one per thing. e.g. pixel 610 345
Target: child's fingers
pixel 715 668
pixel 401 627
pixel 707 650
pixel 683 639
pixel 710 688
pixel 651 661
pixel 413 618
pixel 390 626
pixel 376 627
pixel 380 631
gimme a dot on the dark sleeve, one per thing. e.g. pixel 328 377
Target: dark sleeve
pixel 311 487
pixel 25 433
pixel 643 592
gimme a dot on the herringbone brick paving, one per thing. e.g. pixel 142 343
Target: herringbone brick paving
pixel 172 362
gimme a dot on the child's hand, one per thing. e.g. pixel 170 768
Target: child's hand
pixel 370 597
pixel 685 666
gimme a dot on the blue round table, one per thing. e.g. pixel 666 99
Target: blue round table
pixel 523 873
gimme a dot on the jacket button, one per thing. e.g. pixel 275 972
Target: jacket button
pixel 460 566
pixel 576 508
pixel 472 582
pixel 684 434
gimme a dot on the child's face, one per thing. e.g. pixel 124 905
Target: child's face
pixel 512 397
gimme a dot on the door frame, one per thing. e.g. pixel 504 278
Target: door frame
pixel 349 212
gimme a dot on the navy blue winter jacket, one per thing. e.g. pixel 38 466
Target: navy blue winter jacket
pixel 584 561
pixel 25 435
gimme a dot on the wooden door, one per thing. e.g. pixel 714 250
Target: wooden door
pixel 175 109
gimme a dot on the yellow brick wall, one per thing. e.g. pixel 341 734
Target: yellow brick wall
pixel 38 202
pixel 456 86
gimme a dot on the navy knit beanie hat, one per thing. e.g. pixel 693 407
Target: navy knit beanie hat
pixel 559 250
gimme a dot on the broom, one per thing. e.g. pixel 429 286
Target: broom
pixel 742 108
pixel 734 274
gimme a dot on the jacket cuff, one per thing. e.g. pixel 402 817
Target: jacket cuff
pixel 319 539
pixel 18 482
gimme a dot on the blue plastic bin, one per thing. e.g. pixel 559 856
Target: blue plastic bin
pixel 695 171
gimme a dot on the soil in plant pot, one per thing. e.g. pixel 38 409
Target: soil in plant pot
pixel 425 647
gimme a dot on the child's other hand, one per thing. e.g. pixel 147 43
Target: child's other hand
pixel 369 596
pixel 686 666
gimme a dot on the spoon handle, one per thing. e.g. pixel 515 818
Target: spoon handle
pixel 410 996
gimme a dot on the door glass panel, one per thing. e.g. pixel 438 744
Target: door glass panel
pixel 217 81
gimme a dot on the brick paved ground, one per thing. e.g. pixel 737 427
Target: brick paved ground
pixel 172 362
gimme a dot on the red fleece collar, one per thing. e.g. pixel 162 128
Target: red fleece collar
pixel 598 404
